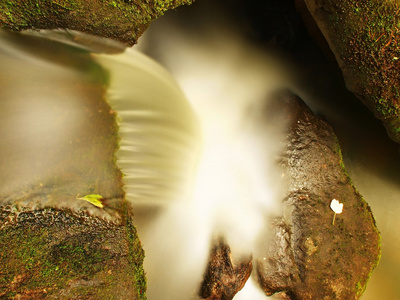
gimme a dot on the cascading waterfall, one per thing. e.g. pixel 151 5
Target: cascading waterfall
pixel 193 174
pixel 200 42
pixel 193 168
pixel 238 184
pixel 192 171
pixel 159 149
pixel 159 138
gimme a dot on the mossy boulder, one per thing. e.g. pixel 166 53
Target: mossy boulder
pixel 121 20
pixel 364 36
pixel 60 254
pixel 308 256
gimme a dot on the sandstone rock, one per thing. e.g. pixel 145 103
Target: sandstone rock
pixel 309 257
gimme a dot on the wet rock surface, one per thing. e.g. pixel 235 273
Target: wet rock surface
pixel 363 35
pixel 224 277
pixel 59 254
pixel 121 20
pixel 59 138
pixel 309 257
pixel 59 135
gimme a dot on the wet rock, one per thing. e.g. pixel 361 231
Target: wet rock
pixel 121 20
pixel 60 254
pixel 224 276
pixel 309 257
pixel 59 138
pixel 364 36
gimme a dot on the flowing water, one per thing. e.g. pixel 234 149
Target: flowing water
pixel 192 170
pixel 197 162
pixel 211 57
pixel 193 174
pixel 52 125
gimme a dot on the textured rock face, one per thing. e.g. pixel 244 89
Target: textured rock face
pixel 309 257
pixel 364 36
pixel 58 254
pixel 121 20
pixel 224 277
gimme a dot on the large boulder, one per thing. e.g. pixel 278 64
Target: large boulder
pixel 309 253
pixel 310 256
pixel 363 36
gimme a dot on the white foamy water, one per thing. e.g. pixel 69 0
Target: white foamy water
pixel 192 169
pixel 212 61
pixel 159 138
pixel 198 155
pixel 196 169
pixel 159 152
pixel 238 185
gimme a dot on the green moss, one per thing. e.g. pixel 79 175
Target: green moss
pixel 26 257
pixel 360 288
pixel 366 38
pixel 136 254
pixel 386 108
pixel 144 12
pixel 113 4
pixel 71 257
pixel 47 255
pixel 122 20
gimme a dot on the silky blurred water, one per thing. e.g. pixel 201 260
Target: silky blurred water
pixel 191 169
pixel 57 131
pixel 205 46
pixel 159 135
pixel 197 157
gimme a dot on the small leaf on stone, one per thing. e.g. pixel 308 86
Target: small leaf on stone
pixel 94 199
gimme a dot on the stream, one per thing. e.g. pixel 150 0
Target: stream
pixel 181 126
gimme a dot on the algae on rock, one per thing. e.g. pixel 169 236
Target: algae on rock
pixel 60 254
pixel 121 20
pixel 364 36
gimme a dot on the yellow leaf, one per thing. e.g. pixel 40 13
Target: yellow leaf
pixel 94 199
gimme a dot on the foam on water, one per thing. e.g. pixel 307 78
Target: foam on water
pixel 199 169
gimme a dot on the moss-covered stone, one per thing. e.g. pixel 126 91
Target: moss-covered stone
pixel 59 254
pixel 364 37
pixel 121 20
